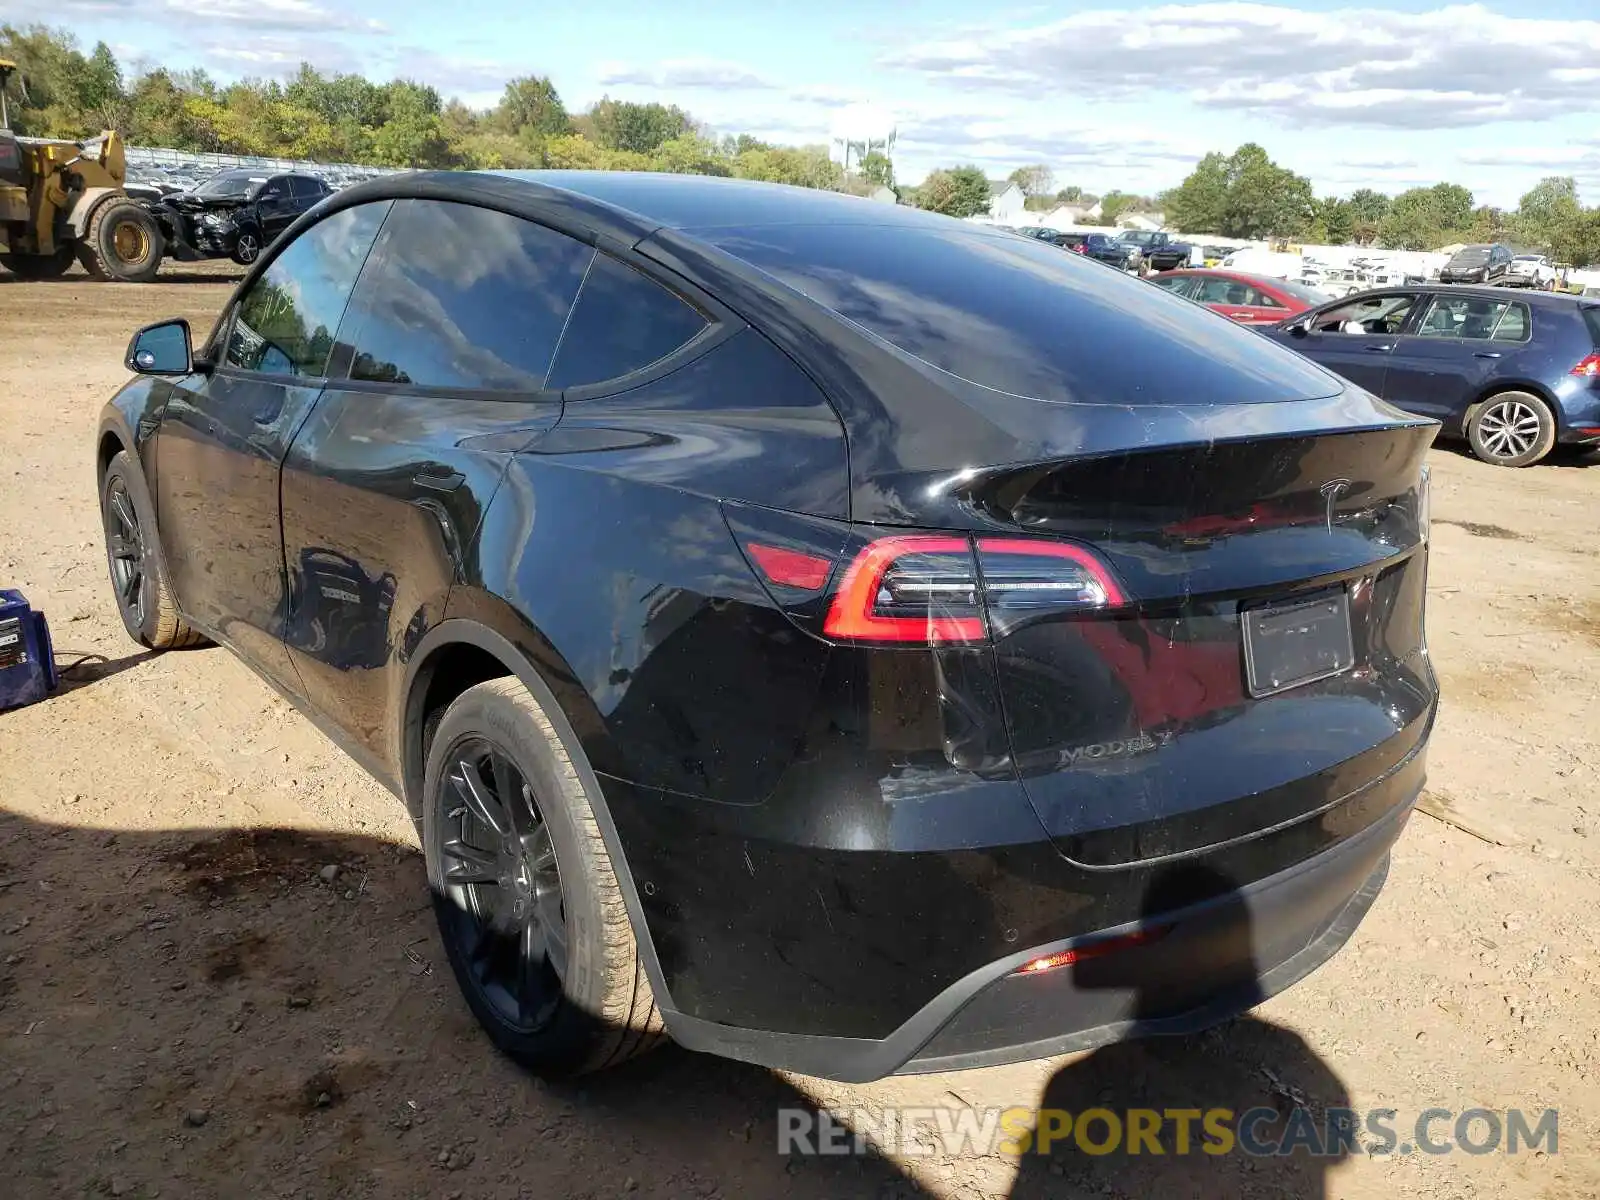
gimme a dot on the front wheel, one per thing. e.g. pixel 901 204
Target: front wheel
pixel 1513 429
pixel 138 580
pixel 122 242
pixel 526 897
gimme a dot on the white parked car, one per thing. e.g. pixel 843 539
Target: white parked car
pixel 1531 270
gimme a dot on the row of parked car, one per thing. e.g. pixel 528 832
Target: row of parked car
pixel 1512 374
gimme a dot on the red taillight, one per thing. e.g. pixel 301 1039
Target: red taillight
pixel 1099 949
pixel 1589 367
pixel 1080 248
pixel 790 568
pixel 930 588
pixel 909 589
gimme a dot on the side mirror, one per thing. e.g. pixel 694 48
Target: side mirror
pixel 162 349
pixel 1301 326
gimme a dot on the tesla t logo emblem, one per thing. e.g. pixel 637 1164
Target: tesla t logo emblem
pixel 1331 491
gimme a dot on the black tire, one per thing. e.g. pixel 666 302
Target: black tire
pixel 559 1001
pixel 38 266
pixel 133 557
pixel 122 242
pixel 1512 429
pixel 247 246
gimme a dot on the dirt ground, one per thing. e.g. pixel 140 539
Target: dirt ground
pixel 219 977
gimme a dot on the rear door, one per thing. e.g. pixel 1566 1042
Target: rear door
pixel 445 358
pixel 1459 345
pixel 1357 337
pixel 223 437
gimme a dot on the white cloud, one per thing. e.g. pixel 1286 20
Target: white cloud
pixel 1453 66
pixel 709 73
pixel 282 16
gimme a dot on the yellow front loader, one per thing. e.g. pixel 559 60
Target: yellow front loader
pixel 62 201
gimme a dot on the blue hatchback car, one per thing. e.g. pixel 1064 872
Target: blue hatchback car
pixel 1512 373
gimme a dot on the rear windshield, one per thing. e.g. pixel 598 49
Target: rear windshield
pixel 1472 256
pixel 1024 318
pixel 1591 317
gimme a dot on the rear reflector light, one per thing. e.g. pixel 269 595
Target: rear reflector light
pixel 927 588
pixel 790 568
pixel 1589 367
pixel 1099 949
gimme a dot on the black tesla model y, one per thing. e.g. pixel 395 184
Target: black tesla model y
pixel 827 634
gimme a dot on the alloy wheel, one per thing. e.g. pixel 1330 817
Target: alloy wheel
pixel 247 248
pixel 507 914
pixel 1508 429
pixel 125 545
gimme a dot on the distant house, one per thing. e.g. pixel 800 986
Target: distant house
pixel 1005 201
pixel 1149 222
pixel 1070 216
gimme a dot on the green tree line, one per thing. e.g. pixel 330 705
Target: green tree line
pixel 66 93
pixel 1247 195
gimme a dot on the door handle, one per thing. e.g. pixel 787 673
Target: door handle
pixel 439 481
pixel 1379 349
pixel 1486 354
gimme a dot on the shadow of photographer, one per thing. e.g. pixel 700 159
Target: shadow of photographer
pixel 1218 1106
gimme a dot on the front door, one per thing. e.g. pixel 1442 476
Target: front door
pixel 224 434
pixel 276 208
pixel 1448 359
pixel 1355 338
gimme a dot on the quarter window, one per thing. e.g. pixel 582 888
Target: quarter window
pixel 622 322
pixel 462 297
pixel 286 322
pixel 1471 318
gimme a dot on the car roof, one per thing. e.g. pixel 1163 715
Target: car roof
pixel 1523 295
pixel 1270 281
pixel 702 202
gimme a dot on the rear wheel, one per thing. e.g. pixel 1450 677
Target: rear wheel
pixel 138 580
pixel 1513 429
pixel 526 897
pixel 38 266
pixel 122 242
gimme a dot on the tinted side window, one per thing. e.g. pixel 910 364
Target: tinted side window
pixel 286 322
pixel 303 187
pixel 463 297
pixel 622 321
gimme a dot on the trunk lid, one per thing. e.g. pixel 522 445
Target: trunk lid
pixel 1141 733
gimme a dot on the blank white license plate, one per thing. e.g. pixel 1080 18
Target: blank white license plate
pixel 1286 645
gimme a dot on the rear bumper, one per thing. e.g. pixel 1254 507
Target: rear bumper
pixel 1213 960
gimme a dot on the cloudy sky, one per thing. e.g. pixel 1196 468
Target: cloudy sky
pixel 1108 94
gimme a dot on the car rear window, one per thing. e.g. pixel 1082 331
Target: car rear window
pixel 1023 318
pixel 1591 318
pixel 1474 256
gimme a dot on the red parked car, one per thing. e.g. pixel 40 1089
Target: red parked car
pixel 1248 299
